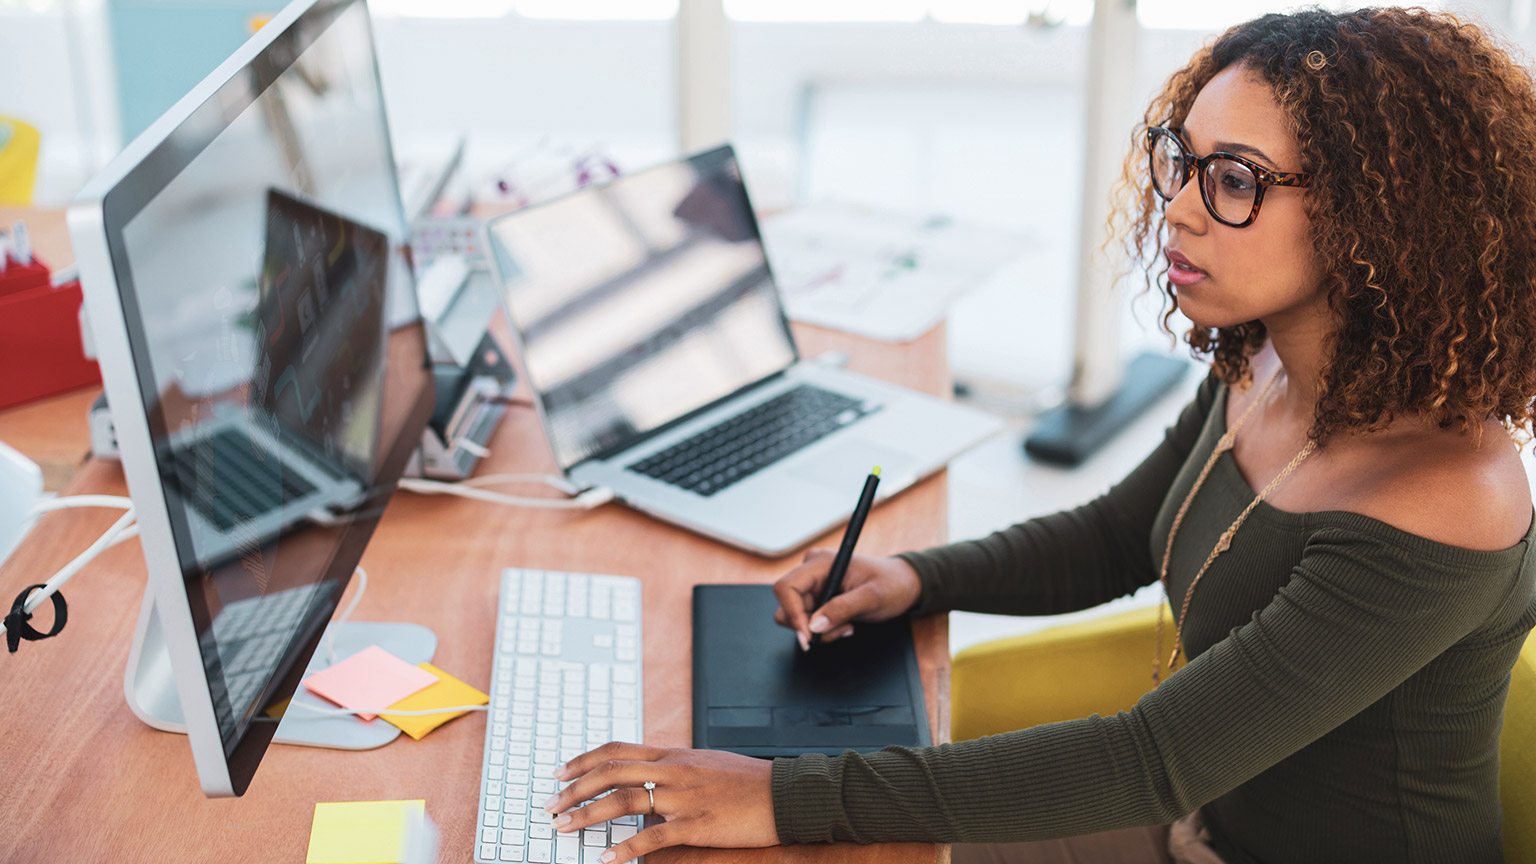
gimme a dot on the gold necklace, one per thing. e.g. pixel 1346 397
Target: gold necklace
pixel 1224 444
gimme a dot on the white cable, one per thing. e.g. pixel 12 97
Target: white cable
pixel 585 501
pixel 469 446
pixel 330 632
pixel 345 712
pixel 128 533
pixel 110 537
pixel 552 480
pixel 117 502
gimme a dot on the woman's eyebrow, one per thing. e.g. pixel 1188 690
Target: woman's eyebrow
pixel 1234 147
pixel 1245 150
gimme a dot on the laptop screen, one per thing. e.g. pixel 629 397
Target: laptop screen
pixel 640 301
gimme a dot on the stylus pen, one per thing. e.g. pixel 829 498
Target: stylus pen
pixel 845 551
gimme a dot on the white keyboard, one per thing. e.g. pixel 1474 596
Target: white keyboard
pixel 566 679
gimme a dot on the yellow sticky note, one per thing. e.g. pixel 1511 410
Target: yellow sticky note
pixel 362 832
pixel 447 692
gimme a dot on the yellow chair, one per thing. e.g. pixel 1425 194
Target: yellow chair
pixel 1104 666
pixel 18 162
pixel 1517 760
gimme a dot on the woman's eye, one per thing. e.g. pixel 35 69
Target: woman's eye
pixel 1237 181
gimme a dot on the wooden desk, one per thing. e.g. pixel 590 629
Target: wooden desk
pixel 81 778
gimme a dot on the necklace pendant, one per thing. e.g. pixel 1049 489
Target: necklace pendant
pixel 1224 543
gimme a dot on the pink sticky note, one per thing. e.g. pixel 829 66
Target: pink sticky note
pixel 371 678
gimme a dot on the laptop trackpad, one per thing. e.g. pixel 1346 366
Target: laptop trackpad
pixel 844 465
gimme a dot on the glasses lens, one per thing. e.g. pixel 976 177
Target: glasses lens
pixel 1167 165
pixel 1230 188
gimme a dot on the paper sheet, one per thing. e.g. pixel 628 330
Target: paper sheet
pixel 887 276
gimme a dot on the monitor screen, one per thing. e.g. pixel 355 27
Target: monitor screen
pixel 640 301
pixel 271 347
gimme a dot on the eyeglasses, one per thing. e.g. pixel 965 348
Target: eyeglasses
pixel 1231 187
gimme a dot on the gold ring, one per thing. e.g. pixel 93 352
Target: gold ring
pixel 650 789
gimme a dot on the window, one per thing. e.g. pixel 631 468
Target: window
pixel 1156 14
pixel 574 10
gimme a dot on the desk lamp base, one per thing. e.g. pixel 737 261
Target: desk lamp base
pixel 1070 434
pixel 150 687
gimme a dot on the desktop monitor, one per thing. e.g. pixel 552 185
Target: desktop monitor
pixel 256 322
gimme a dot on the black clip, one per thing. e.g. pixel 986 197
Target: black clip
pixel 16 626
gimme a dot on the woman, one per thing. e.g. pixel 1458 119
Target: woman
pixel 1343 207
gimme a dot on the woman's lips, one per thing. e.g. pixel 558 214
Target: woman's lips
pixel 1180 271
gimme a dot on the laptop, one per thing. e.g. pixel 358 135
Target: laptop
pixel 662 365
pixel 297 447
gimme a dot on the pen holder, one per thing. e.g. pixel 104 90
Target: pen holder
pixel 40 347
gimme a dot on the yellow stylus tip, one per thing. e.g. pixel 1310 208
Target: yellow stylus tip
pixel 876 472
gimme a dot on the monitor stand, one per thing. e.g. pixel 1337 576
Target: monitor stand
pixel 150 687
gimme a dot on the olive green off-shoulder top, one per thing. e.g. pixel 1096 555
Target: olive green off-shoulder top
pixel 1342 701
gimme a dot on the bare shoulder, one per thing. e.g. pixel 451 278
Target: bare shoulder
pixel 1443 485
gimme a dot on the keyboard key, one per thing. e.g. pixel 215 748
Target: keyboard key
pixel 539 851
pixel 567 851
pixel 512 853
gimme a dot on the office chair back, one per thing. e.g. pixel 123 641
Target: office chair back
pixel 18 162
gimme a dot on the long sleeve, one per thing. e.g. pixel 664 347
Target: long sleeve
pixel 1069 560
pixel 1364 609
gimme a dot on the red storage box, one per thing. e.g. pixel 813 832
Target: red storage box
pixel 40 348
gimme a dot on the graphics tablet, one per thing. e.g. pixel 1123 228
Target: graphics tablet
pixel 756 693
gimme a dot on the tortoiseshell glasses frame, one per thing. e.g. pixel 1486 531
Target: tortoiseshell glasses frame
pixel 1236 200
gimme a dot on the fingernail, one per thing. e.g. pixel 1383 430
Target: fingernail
pixel 561 773
pixel 562 821
pixel 820 624
pixel 607 857
pixel 549 803
pixel 805 641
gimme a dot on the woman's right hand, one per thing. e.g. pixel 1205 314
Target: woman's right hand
pixel 874 589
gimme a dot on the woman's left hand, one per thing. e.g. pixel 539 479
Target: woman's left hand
pixel 707 797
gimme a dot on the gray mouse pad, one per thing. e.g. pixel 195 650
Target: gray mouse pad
pixel 756 693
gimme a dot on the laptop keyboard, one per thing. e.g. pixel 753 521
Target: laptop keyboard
pixel 243 480
pixel 249 636
pixel 745 444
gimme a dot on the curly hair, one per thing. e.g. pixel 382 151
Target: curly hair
pixel 1416 129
